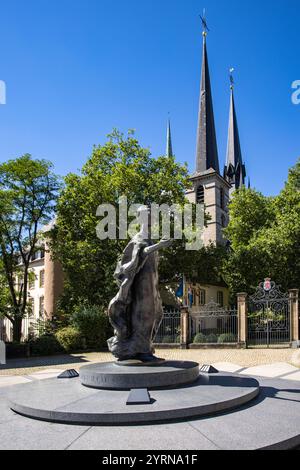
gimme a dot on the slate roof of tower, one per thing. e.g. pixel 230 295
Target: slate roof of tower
pixel 207 151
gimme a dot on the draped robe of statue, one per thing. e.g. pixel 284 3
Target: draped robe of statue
pixel 136 311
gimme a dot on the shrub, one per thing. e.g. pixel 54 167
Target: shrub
pixel 200 338
pixel 42 328
pixel 170 340
pixel 92 323
pixel 45 346
pixel 70 339
pixel 227 338
pixel 212 338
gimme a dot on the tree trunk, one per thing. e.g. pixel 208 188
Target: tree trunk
pixel 17 330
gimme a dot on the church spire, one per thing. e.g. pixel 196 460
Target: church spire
pixel 207 152
pixel 169 150
pixel 234 171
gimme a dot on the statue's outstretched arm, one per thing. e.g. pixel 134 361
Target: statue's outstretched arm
pixel 159 246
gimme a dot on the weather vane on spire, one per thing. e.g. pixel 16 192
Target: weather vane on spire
pixel 204 23
pixel 231 78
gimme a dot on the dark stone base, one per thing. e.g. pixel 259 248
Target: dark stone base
pixel 67 401
pixel 112 376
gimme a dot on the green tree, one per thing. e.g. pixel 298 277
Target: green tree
pixel 204 265
pixel 281 240
pixel 264 233
pixel 120 167
pixel 28 191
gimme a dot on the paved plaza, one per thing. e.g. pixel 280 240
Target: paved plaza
pixel 252 426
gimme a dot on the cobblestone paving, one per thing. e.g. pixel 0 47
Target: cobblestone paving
pixel 243 358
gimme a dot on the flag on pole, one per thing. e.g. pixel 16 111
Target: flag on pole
pixel 179 292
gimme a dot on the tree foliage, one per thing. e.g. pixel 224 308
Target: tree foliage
pixel 120 167
pixel 265 237
pixel 28 190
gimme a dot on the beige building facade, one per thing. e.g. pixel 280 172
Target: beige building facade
pixel 44 289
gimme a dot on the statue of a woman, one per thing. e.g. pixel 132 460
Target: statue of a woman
pixel 136 311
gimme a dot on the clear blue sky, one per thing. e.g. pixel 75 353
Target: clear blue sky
pixel 74 69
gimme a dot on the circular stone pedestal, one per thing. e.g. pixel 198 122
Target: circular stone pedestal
pixel 67 401
pixel 112 376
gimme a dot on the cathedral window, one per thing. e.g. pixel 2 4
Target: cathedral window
pixel 200 195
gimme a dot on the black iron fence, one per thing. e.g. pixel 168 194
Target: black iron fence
pixel 210 324
pixel 269 321
pixel 169 328
pixel 213 324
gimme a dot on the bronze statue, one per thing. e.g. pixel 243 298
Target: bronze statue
pixel 136 311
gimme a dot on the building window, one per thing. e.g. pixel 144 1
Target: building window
pixel 220 298
pixel 42 278
pixel 31 281
pixel 202 297
pixel 223 220
pixel 200 195
pixel 222 199
pixel 41 307
pixel 42 253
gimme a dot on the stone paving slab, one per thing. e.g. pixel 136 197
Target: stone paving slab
pixel 25 434
pixel 178 436
pixel 227 367
pixel 294 376
pixel 46 374
pixel 13 380
pixel 278 369
pixel 6 414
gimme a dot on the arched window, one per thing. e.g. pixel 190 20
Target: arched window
pixel 222 199
pixel 200 195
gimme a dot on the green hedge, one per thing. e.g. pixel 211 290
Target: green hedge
pixel 200 338
pixel 227 338
pixel 170 340
pixel 212 338
pixel 92 322
pixel 70 339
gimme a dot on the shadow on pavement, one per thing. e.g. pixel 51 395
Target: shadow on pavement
pixel 43 361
